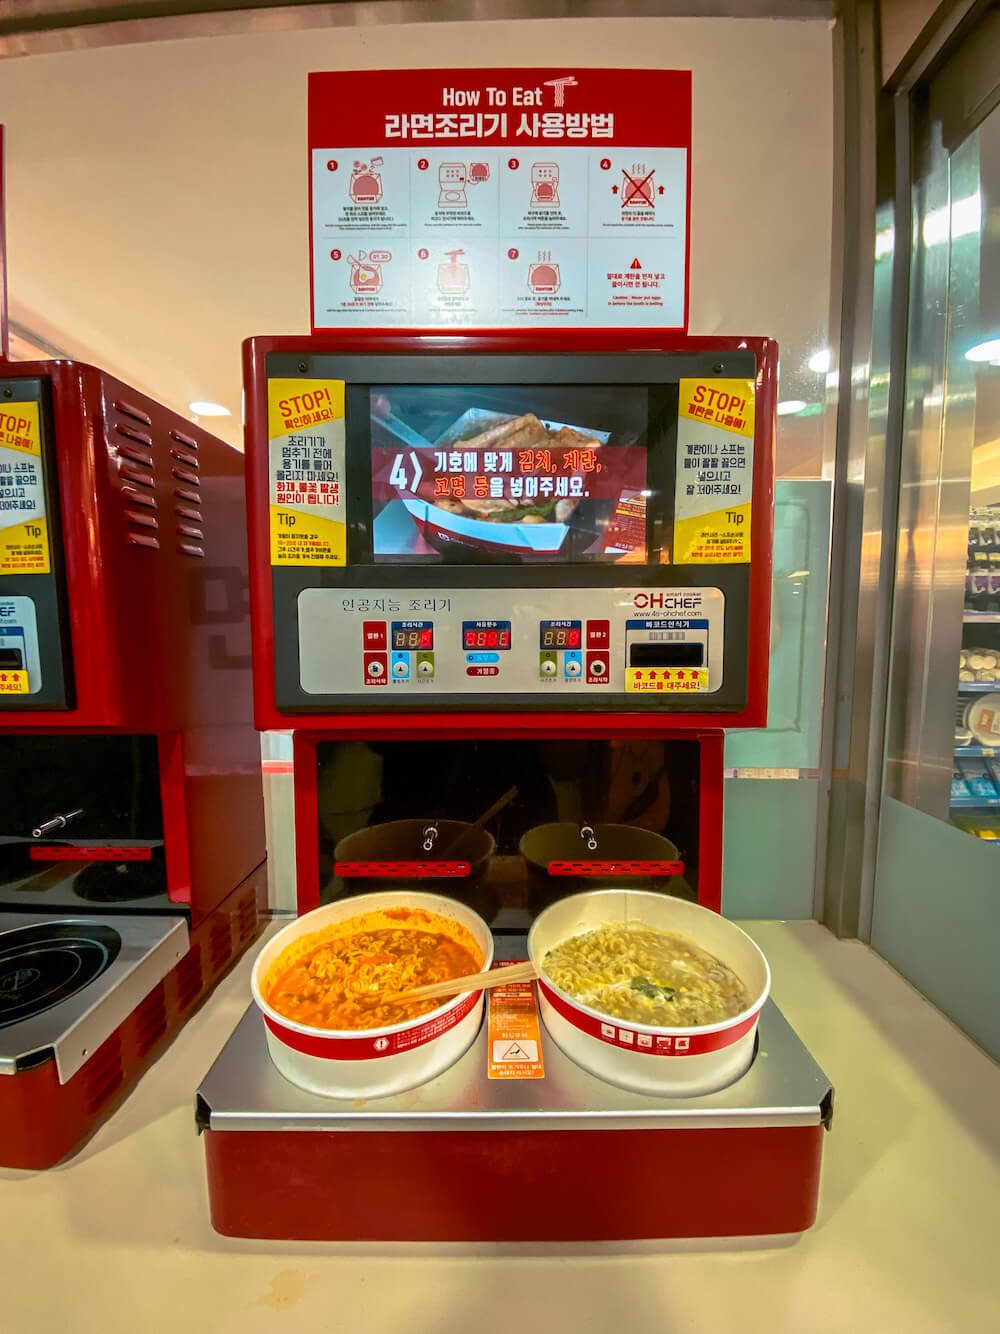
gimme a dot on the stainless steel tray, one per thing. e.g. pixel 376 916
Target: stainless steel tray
pixel 74 1028
pixel 784 1087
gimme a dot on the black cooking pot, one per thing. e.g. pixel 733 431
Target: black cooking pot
pixel 403 841
pixel 616 843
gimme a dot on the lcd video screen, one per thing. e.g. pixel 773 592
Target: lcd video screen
pixel 510 473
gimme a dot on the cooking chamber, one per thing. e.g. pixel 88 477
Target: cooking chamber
pixel 561 815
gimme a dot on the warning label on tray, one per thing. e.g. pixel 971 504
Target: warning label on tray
pixel 307 503
pixel 714 486
pixel 24 535
pixel 515 1049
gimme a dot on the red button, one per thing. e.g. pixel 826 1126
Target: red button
pixel 598 634
pixel 482 671
pixel 597 668
pixel 376 669
pixel 373 635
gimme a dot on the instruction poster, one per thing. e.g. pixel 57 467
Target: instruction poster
pixel 712 506
pixel 307 504
pixel 500 197
pixel 24 537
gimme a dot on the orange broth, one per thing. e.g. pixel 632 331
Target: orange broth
pixel 339 978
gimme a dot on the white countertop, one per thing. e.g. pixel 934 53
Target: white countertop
pixel 118 1239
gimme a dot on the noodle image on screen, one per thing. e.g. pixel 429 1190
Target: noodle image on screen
pixel 344 977
pixel 649 976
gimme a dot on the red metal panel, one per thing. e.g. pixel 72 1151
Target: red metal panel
pixel 395 722
pixel 159 639
pixel 710 780
pixel 615 868
pixel 572 1185
pixel 42 1121
pixel 90 854
pixel 402 870
pixel 306 820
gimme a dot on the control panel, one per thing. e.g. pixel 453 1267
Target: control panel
pixel 562 641
pixel 20 667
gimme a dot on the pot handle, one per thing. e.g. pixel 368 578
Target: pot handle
pixel 621 868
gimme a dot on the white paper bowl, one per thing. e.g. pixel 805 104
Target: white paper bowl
pixel 645 1058
pixel 373 1062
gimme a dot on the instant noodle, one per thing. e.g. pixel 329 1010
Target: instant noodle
pixel 346 976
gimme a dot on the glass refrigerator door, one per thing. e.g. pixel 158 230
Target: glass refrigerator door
pixel 938 868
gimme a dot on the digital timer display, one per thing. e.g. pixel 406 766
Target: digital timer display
pixel 495 635
pixel 411 639
pixel 560 634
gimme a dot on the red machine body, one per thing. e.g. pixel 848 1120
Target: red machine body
pixel 147 635
pixel 377 761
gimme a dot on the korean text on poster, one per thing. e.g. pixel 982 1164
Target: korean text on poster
pixel 24 536
pixel 307 502
pixel 714 485
pixel 500 198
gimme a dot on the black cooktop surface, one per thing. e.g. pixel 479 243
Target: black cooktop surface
pixel 47 963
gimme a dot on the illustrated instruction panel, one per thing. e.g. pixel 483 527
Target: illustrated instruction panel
pixel 492 198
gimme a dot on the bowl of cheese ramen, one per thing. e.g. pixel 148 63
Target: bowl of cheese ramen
pixel 328 984
pixel 649 992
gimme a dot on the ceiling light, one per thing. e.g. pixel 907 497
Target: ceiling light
pixel 202 408
pixel 820 361
pixel 790 406
pixel 988 351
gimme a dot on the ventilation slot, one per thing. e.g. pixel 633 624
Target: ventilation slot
pixel 134 497
pixel 133 433
pixel 185 493
pixel 188 975
pixel 143 520
pixel 104 1073
pixel 186 530
pixel 188 441
pixel 220 946
pixel 246 918
pixel 150 1020
pixel 138 478
pixel 189 460
pixel 186 512
pixel 130 410
pixel 135 456
pixel 136 473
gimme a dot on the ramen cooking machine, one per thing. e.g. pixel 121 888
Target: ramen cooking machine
pixel 126 749
pixel 533 582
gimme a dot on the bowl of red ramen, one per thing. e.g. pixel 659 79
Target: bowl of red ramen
pixel 649 992
pixel 331 989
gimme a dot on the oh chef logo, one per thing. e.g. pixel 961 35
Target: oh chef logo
pixel 656 601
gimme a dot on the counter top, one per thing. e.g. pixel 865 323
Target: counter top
pixel 118 1238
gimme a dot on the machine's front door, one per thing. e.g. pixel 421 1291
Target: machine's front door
pixel 937 877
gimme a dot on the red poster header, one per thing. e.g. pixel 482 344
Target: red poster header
pixel 509 107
